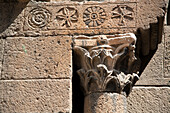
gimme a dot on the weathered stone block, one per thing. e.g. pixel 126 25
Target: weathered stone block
pixel 11 18
pixel 35 96
pixel 42 57
pixel 78 19
pixel 1 53
pixel 167 52
pixel 47 18
pixel 154 71
pixel 149 100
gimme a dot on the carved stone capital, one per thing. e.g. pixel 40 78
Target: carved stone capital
pixel 106 63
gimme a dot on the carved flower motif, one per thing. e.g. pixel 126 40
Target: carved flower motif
pixel 67 15
pixel 94 16
pixel 123 13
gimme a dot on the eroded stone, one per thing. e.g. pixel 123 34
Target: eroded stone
pixel 167 52
pixel 152 100
pixel 43 57
pixel 35 96
pixel 105 103
pixel 106 63
pixel 12 18
pixel 156 72
pixel 47 18
pixel 1 53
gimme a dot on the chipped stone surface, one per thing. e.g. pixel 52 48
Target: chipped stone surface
pixel 11 19
pixel 146 15
pixel 149 100
pixel 167 52
pixel 32 63
pixel 106 63
pixel 81 17
pixel 105 103
pixel 1 53
pixel 156 72
pixel 41 57
pixel 166 15
pixel 35 96
pixel 47 18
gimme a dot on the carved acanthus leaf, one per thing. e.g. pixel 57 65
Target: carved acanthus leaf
pixel 108 66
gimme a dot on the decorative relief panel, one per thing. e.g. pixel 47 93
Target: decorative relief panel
pixel 94 16
pixel 61 18
pixel 122 14
pixel 67 16
pixel 107 63
pixel 38 18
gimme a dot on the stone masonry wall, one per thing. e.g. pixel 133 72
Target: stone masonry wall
pixel 36 71
pixel 36 74
pixel 151 92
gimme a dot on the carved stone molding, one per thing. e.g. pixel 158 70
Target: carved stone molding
pixel 85 18
pixel 107 63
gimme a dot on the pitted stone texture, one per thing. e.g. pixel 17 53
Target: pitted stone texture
pixel 11 18
pixel 46 18
pixel 74 21
pixel 35 96
pixel 148 11
pixel 166 15
pixel 149 100
pixel 167 52
pixel 105 103
pixel 42 57
pixel 106 63
pixel 154 71
pixel 1 53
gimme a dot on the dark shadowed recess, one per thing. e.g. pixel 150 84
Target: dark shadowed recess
pixel 78 96
pixel 168 14
pixel 9 11
pixel 144 59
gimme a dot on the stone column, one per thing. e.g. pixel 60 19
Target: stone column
pixel 105 102
pixel 107 71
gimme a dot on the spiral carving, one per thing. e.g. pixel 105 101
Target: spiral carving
pixel 39 17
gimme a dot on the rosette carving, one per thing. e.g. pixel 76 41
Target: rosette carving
pixel 38 17
pixel 67 16
pixel 109 66
pixel 94 16
pixel 123 13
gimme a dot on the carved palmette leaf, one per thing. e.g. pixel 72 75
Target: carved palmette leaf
pixel 95 61
pixel 108 69
pixel 109 62
pixel 85 57
pixel 111 84
pixel 92 82
pixel 88 79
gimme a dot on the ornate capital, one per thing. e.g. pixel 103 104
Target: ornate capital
pixel 107 63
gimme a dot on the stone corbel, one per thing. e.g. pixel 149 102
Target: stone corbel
pixel 107 66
